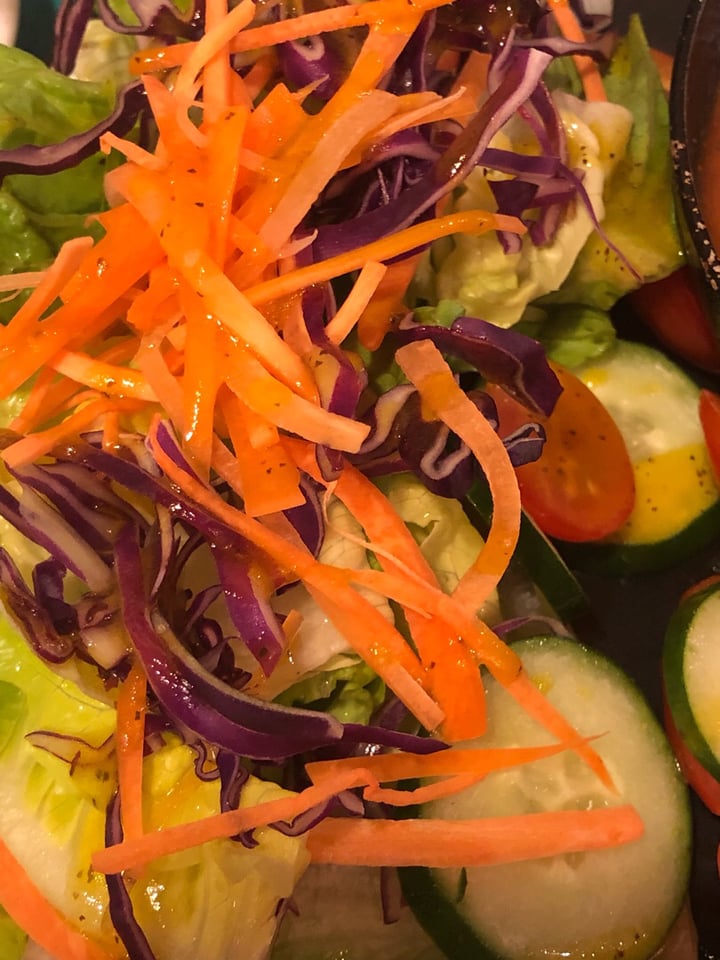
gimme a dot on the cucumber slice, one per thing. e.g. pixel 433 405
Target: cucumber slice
pixel 691 670
pixel 606 903
pixel 677 509
pixel 337 915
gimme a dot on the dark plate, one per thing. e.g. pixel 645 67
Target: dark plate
pixel 696 79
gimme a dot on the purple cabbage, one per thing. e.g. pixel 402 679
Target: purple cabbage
pixel 312 60
pixel 512 360
pixel 119 903
pixel 193 697
pixel 156 18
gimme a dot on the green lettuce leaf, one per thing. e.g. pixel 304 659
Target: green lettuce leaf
pixel 352 694
pixel 38 213
pixel 639 213
pixel 218 900
pixel 572 334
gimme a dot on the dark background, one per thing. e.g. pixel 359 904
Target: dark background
pixel 662 19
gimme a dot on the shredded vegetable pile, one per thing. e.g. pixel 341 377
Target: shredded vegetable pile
pixel 199 391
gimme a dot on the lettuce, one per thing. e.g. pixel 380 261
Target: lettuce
pixel 218 900
pixel 639 211
pixel 572 334
pixel 38 213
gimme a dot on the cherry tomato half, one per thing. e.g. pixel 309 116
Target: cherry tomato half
pixel 709 410
pixel 673 308
pixel 583 486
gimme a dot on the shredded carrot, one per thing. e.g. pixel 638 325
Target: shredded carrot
pixel 111 430
pixel 269 480
pixel 452 674
pixel 51 282
pixel 586 66
pixel 427 793
pixel 464 221
pixel 208 52
pixel 268 35
pixel 468 843
pixel 131 151
pixel 374 639
pixel 473 75
pixel 479 762
pixel 387 301
pixel 356 301
pixel 34 446
pixel 424 366
pixel 136 852
pixel 43 923
pixel 102 376
pixel 130 740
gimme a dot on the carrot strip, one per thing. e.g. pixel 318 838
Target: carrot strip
pixel 467 221
pixel 99 288
pixel 217 72
pixel 200 379
pixel 467 843
pixel 455 106
pixel 164 384
pixel 318 167
pixel 356 301
pixel 130 739
pixel 224 153
pixel 259 75
pixel 212 45
pixel 479 762
pixel 15 282
pixel 452 676
pixel 473 76
pixel 35 445
pixel 269 480
pixel 111 431
pixel 486 647
pixel 260 433
pixel 220 296
pixel 27 906
pixel 131 151
pixel 274 401
pixel 424 366
pixel 427 793
pixel 150 308
pixel 68 260
pixel 387 301
pixel 136 852
pixel 586 66
pixel 101 376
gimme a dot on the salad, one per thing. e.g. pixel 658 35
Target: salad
pixel 315 424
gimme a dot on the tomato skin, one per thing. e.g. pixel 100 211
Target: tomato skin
pixel 709 410
pixel 583 486
pixel 674 310
pixel 702 782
